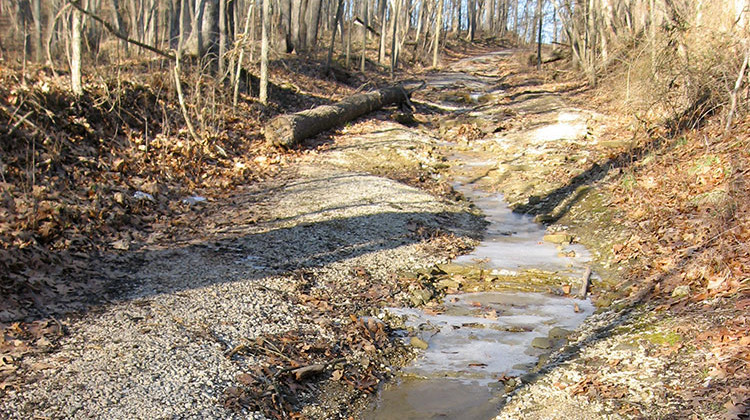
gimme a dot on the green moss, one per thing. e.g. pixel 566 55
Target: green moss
pixel 664 338
pixel 628 182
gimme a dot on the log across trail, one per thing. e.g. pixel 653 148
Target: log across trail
pixel 289 129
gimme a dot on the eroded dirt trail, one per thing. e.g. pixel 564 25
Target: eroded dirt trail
pixel 285 274
pixel 487 334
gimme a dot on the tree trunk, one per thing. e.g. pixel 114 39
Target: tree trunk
pixel 339 10
pixel 381 50
pixel 459 8
pixel 37 39
pixel 394 41
pixel 288 130
pixel 265 30
pixel 472 17
pixel 203 37
pixel 438 27
pixel 365 23
pixel 241 57
pixel 298 8
pixel 312 21
pixel 285 22
pixel 76 83
pixel 222 37
pixel 540 18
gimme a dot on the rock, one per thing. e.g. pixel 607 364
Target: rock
pixel 567 254
pixel 558 333
pixel 421 296
pixel 453 268
pixel 544 218
pixel 510 384
pixel 141 196
pixel 404 118
pixel 541 343
pixel 193 200
pixel 418 343
pixel 681 291
pixel 558 238
pixel 448 284
pixel 543 359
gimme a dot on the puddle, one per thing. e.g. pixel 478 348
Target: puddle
pixel 479 338
pixel 514 241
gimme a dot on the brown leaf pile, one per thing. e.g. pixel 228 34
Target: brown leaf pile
pixel 687 206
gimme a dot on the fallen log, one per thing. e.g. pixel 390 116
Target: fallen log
pixel 289 129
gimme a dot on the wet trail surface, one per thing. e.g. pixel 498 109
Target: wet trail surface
pixel 478 341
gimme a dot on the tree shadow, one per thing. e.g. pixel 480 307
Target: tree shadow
pixel 569 194
pixel 250 252
pixel 627 309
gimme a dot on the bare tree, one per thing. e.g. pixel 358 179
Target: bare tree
pixel 37 38
pixel 339 11
pixel 365 22
pixel 381 50
pixel 222 37
pixel 540 17
pixel 438 27
pixel 76 82
pixel 265 31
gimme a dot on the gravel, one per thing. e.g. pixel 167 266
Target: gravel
pixel 159 350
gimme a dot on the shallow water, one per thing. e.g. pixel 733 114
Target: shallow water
pixel 482 337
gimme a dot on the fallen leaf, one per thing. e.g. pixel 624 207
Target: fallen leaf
pixel 742 304
pixel 42 366
pixel 245 379
pixel 559 385
pixel 121 244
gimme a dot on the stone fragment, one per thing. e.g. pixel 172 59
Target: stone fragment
pixel 558 333
pixel 541 343
pixel 558 238
pixel 681 291
pixel 417 342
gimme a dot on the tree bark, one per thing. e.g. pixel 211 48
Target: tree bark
pixel 241 45
pixel 76 83
pixel 394 41
pixel 288 130
pixel 37 12
pixel 222 37
pixel 365 20
pixel 539 36
pixel 381 50
pixel 284 27
pixel 339 10
pixel 438 27
pixel 312 20
pixel 265 30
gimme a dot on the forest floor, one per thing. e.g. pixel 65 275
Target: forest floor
pixel 154 277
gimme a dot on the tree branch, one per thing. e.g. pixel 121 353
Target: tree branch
pixel 111 29
pixel 358 21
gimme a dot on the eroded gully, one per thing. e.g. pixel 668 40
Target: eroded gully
pixel 518 287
